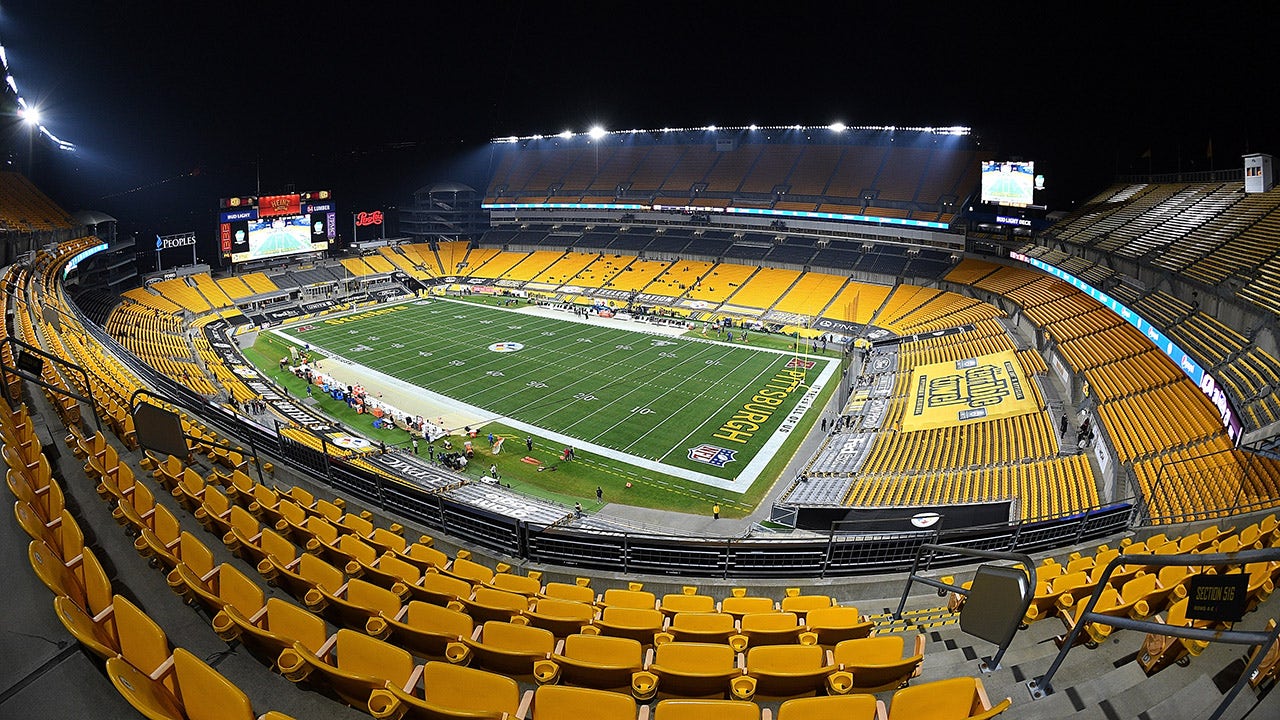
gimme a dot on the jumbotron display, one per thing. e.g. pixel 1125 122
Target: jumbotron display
pixel 1008 183
pixel 254 228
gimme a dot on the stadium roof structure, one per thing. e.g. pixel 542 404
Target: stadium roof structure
pixel 903 177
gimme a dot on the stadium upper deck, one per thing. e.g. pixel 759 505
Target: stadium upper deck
pixel 913 178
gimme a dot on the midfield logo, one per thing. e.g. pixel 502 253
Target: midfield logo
pixel 712 455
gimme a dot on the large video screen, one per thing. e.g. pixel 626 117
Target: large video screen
pixel 276 225
pixel 283 235
pixel 1008 183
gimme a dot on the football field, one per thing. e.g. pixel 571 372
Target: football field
pixel 699 409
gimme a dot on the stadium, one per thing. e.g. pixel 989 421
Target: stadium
pixel 807 420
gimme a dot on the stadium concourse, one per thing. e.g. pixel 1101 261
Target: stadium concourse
pixel 260 568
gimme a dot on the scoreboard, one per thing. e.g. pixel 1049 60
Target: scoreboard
pixel 254 228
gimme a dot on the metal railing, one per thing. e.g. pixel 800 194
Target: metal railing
pixel 1041 687
pixel 931 549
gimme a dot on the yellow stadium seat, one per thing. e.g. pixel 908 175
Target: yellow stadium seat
pixel 875 664
pixel 502 647
pixel 639 624
pixel 449 692
pixel 143 643
pixel 705 627
pixel 353 604
pixel 638 599
pixel 194 692
pixel 521 584
pixel 686 603
pixel 422 628
pixel 487 604
pixel 472 572
pixel 595 661
pixel 352 664
pixel 553 702
pixel 801 604
pixel 62 534
pixel 688 670
pixel 561 617
pixel 439 589
pixel 273 629
pixel 1130 601
pixel 565 591
pixel 1269 668
pixel 1160 651
pixel 425 557
pixel 266 550
pixel 783 671
pixel 214 513
pixel 300 576
pixel 160 543
pixel 836 707
pixel 190 489
pixel 834 625
pixel 770 628
pixel 962 698
pixel 97 633
pixel 85 583
pixel 703 709
pixel 224 585
pixel 1048 594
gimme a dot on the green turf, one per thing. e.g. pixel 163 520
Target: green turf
pixel 645 395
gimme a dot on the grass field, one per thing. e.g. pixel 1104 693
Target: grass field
pixel 701 412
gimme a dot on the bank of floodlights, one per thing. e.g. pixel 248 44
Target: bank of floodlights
pixel 29 113
pixel 597 132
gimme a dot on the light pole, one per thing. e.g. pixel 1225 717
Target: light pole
pixel 31 118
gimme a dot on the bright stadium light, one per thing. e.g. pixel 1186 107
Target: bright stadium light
pixel 30 115
pixel 711 128
pixel 752 127
pixel 13 84
pixel 596 132
pixel 566 134
pixel 4 58
pixel 836 126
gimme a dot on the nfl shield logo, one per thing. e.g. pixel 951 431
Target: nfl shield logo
pixel 712 455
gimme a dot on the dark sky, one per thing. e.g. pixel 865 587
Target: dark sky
pixel 174 104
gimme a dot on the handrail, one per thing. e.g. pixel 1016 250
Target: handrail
pixel 1021 558
pixel 1040 687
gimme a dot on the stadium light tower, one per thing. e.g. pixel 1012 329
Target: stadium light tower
pixel 30 118
pixel 595 133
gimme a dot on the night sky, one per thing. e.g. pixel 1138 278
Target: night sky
pixel 175 104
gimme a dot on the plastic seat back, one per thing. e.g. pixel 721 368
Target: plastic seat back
pixel 702 709
pixel 557 702
pixel 471 571
pixel 680 603
pixel 205 694
pixel 638 599
pixel 142 642
pixel 521 584
pixel 957 698
pixel 565 591
pixel 835 707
